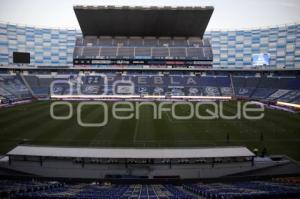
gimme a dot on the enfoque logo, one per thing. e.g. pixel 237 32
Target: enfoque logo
pixel 133 110
pixel 127 110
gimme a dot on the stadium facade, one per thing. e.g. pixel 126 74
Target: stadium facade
pixel 54 47
pixel 46 46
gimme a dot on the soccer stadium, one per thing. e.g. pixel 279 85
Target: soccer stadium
pixel 146 102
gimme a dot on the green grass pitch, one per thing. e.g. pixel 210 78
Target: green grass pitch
pixel 281 130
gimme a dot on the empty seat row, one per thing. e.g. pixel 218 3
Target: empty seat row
pixel 84 191
pixel 203 53
pixel 139 41
pixel 244 190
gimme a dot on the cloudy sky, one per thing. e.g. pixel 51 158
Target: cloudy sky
pixel 228 14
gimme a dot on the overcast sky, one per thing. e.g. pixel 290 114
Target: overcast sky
pixel 228 14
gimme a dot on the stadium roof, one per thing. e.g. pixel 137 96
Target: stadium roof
pixel 143 21
pixel 214 152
